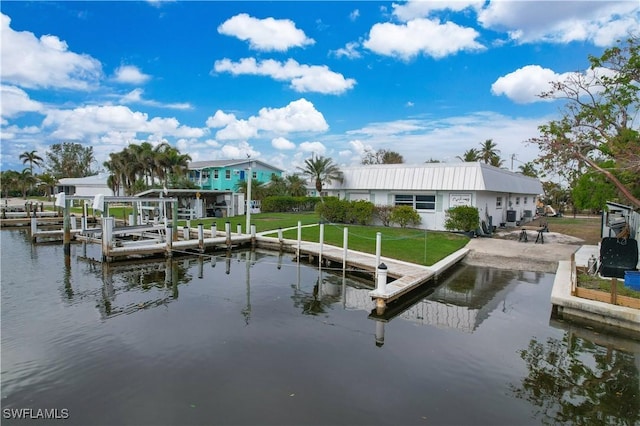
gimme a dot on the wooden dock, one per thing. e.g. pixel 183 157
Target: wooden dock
pixel 406 276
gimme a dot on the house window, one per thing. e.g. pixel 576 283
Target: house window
pixel 526 200
pixel 254 175
pixel 418 202
pixel 498 202
pixel 404 200
pixel 227 174
pixel 425 202
pixel 205 174
pixel 215 174
pixel 517 201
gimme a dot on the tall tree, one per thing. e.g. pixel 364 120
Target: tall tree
pixel 489 153
pixel 382 156
pixel 321 170
pixel 32 158
pixel 469 155
pixel 47 183
pixel 295 186
pixel 599 119
pixel 26 181
pixel 528 169
pixel 69 159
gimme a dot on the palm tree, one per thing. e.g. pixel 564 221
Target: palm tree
pixel 9 181
pixel 32 158
pixel 470 155
pixel 258 189
pixel 295 186
pixel 26 181
pixel 321 170
pixel 47 182
pixel 528 169
pixel 488 151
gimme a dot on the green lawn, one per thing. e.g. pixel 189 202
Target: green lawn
pixel 411 245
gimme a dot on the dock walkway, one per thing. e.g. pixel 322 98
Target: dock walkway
pixel 407 276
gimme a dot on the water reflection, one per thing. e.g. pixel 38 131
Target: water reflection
pixel 462 300
pixel 582 378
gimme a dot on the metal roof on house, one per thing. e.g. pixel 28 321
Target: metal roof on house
pixel 243 163
pixel 474 176
pixel 96 180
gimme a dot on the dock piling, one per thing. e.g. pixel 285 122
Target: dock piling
pixel 169 240
pixel 321 243
pixel 201 237
pixel 253 235
pixel 34 228
pixel 227 231
pixel 381 287
pixel 214 230
pixel 107 235
pixel 345 247
pixel 185 233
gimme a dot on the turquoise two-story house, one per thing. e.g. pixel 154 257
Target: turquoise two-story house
pixel 226 175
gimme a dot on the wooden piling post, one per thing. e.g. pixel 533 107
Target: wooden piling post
pixel 299 238
pixel 321 243
pixel 253 235
pixel 66 239
pixel 201 237
pixel 239 229
pixel 345 247
pixel 227 231
pixel 169 240
pixel 185 233
pixel 214 230
pixel 107 235
pixel 614 291
pixel 34 229
pixel 381 287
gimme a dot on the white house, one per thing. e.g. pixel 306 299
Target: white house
pixel 501 196
pixel 86 186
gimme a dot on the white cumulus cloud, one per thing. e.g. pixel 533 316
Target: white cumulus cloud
pixel 421 36
pixel 600 22
pixel 265 34
pixel 313 147
pixel 45 62
pixel 130 74
pixel 302 78
pixel 92 122
pixel 282 143
pixel 420 8
pixel 524 85
pixel 297 116
pixel 16 101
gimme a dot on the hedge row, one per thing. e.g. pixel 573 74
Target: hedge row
pixel 288 204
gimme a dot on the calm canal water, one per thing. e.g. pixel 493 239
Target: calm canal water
pixel 256 339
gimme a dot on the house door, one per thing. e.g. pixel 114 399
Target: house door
pixel 241 174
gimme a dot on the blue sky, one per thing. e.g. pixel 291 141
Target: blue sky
pixel 279 81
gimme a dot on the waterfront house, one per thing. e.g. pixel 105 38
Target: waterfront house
pixel 86 186
pixel 226 175
pixel 501 196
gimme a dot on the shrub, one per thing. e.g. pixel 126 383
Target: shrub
pixel 287 203
pixel 405 215
pixel 383 213
pixel 360 212
pixel 462 218
pixel 332 209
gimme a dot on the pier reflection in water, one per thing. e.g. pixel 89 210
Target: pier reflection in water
pixel 252 337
